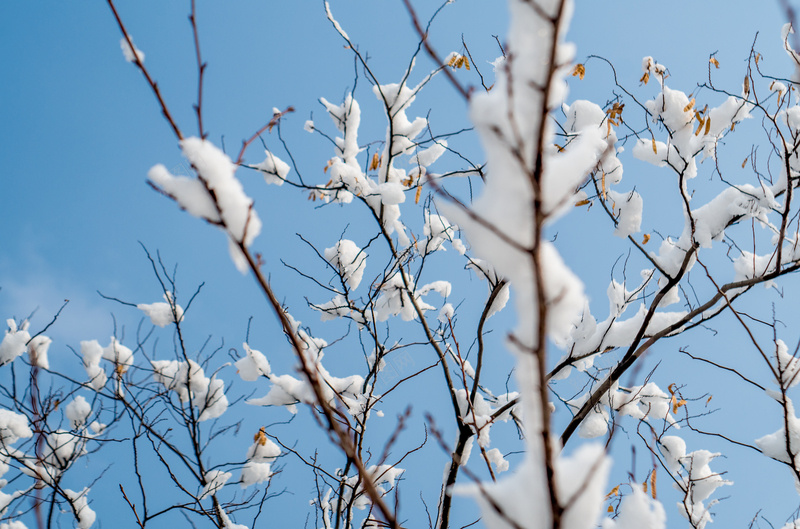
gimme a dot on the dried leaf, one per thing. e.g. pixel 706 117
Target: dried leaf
pixel 376 162
pixel 708 125
pixel 261 437
pixel 653 483
pixel 644 486
pixel 688 107
pixel 579 71
pixel 582 203
pixel 419 192
pixel 700 123
pixel 645 78
pixel 466 63
pixel 714 61
pixel 610 508
pixel 603 184
pixel 709 399
pixel 655 149
pixel 746 85
pixel 645 238
pixel 614 492
pixel 328 165
pixel 745 161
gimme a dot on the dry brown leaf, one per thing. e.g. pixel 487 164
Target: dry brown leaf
pixel 579 71
pixel 714 61
pixel 653 483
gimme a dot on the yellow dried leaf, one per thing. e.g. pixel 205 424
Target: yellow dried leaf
pixel 644 486
pixel 610 508
pixel 419 192
pixel 261 437
pixel 328 165
pixel 376 162
pixel 745 161
pixel 688 107
pixel 708 125
pixel 758 58
pixel 645 238
pixel 653 483
pixel 682 402
pixel 579 71
pixel 714 61
pixel 614 492
pixel 581 202
pixel 655 149
pixel 558 147
pixel 645 78
pixel 674 404
pixel 466 63
pixel 700 123
pixel 709 399
pixel 671 388
pixel 452 60
pixel 603 184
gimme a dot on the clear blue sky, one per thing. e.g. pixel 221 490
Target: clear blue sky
pixel 81 129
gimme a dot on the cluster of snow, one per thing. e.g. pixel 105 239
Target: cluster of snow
pixel 646 402
pixel 275 170
pixel 486 271
pixel 383 476
pixel 80 506
pixel 260 456
pixel 162 313
pixel 349 260
pixel 215 195
pixel 437 229
pixel 638 511
pixel 215 480
pixel 15 341
pixel 188 380
pixel 695 478
pixel 480 417
pixel 131 54
pixel 120 356
pixel 289 391
pixel 394 298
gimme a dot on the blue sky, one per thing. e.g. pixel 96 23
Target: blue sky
pixel 82 129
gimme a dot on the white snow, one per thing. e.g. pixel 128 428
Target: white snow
pixel 162 314
pixel 78 411
pixel 130 54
